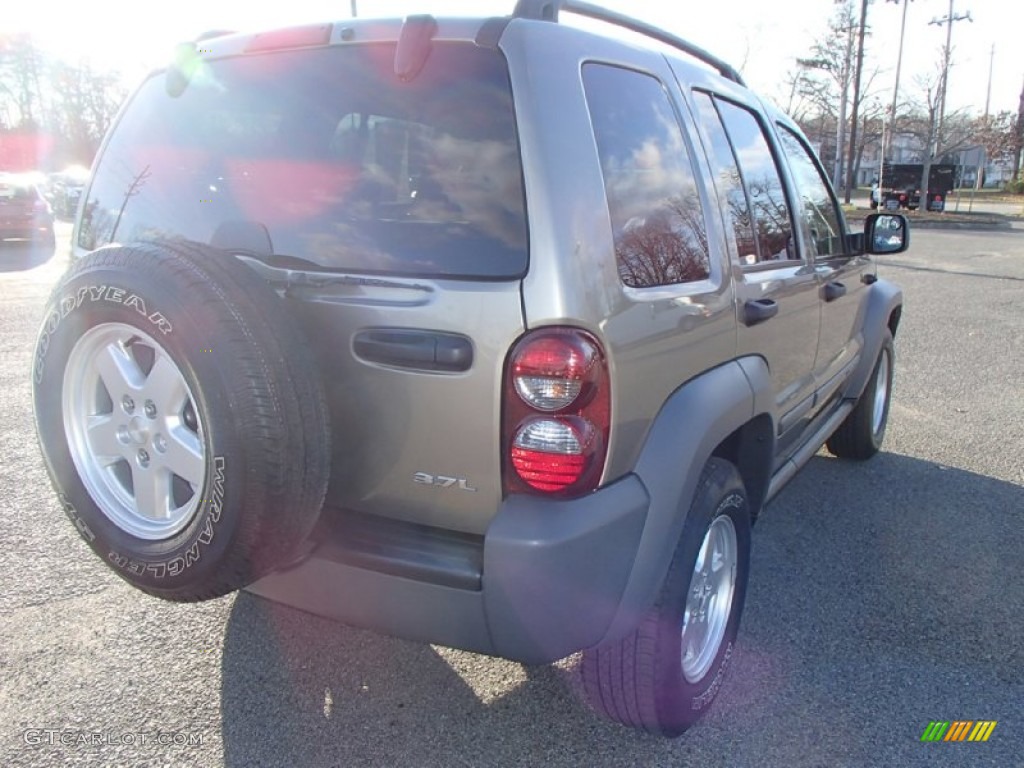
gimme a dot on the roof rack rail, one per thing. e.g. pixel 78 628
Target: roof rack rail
pixel 548 10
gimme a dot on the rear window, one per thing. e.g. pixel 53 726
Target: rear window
pixel 324 155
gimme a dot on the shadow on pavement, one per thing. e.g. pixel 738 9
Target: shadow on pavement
pixel 19 256
pixel 883 595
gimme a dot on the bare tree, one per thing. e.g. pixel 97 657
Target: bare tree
pixel 938 136
pixel 69 104
pixel 997 136
pixel 85 102
pixel 871 131
pixel 21 65
pixel 830 74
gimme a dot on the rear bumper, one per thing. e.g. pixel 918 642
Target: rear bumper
pixel 551 577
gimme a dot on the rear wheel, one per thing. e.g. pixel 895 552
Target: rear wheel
pixel 181 418
pixel 664 675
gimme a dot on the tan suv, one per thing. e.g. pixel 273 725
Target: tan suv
pixel 491 333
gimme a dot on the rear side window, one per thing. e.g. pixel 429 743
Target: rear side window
pixel 763 184
pixel 820 209
pixel 325 156
pixel 657 219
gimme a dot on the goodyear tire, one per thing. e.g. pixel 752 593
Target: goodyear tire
pixel 181 418
pixel 664 675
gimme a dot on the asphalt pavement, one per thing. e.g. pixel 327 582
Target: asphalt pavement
pixel 883 596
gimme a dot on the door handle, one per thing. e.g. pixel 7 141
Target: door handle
pixel 416 349
pixel 834 290
pixel 758 310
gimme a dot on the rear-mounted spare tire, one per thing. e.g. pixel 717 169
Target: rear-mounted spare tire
pixel 182 418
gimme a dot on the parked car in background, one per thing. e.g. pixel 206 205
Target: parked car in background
pixel 901 186
pixel 66 190
pixel 25 216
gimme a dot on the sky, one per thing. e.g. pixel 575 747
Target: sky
pixel 761 38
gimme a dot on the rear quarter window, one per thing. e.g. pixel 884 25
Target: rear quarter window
pixel 657 218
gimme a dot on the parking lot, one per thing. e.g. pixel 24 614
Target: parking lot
pixel 883 596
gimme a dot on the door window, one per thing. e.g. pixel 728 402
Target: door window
pixel 728 180
pixel 820 210
pixel 762 181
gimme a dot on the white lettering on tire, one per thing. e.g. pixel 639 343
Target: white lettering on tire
pixel 699 702
pixel 70 302
pixel 76 519
pixel 214 506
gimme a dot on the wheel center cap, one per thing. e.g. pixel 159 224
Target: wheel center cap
pixel 137 431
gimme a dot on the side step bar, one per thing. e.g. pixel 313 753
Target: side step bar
pixel 807 451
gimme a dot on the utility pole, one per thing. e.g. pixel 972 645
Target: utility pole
pixel 844 88
pixel 856 101
pixel 947 53
pixel 354 14
pixel 979 180
pixel 841 119
pixel 932 150
pixel 988 90
pixel 1018 149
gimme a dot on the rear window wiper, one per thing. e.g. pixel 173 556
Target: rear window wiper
pixel 296 272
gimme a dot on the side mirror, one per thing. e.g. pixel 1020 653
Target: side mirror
pixel 886 233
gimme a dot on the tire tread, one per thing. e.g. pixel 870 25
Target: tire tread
pixel 620 680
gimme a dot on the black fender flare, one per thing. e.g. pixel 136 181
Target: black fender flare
pixel 884 298
pixel 693 422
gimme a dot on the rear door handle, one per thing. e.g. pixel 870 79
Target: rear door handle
pixel 758 310
pixel 420 350
pixel 834 290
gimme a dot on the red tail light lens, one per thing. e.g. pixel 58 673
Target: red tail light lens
pixel 551 454
pixel 555 369
pixel 556 413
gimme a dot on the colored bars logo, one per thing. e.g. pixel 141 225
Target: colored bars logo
pixel 959 730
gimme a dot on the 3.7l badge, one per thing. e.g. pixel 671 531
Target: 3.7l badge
pixel 443 481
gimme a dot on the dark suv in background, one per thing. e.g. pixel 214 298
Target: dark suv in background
pixel 493 333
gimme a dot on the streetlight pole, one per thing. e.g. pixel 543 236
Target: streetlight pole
pixel 856 100
pixel 354 14
pixel 887 147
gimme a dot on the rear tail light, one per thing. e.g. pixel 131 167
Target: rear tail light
pixel 556 413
